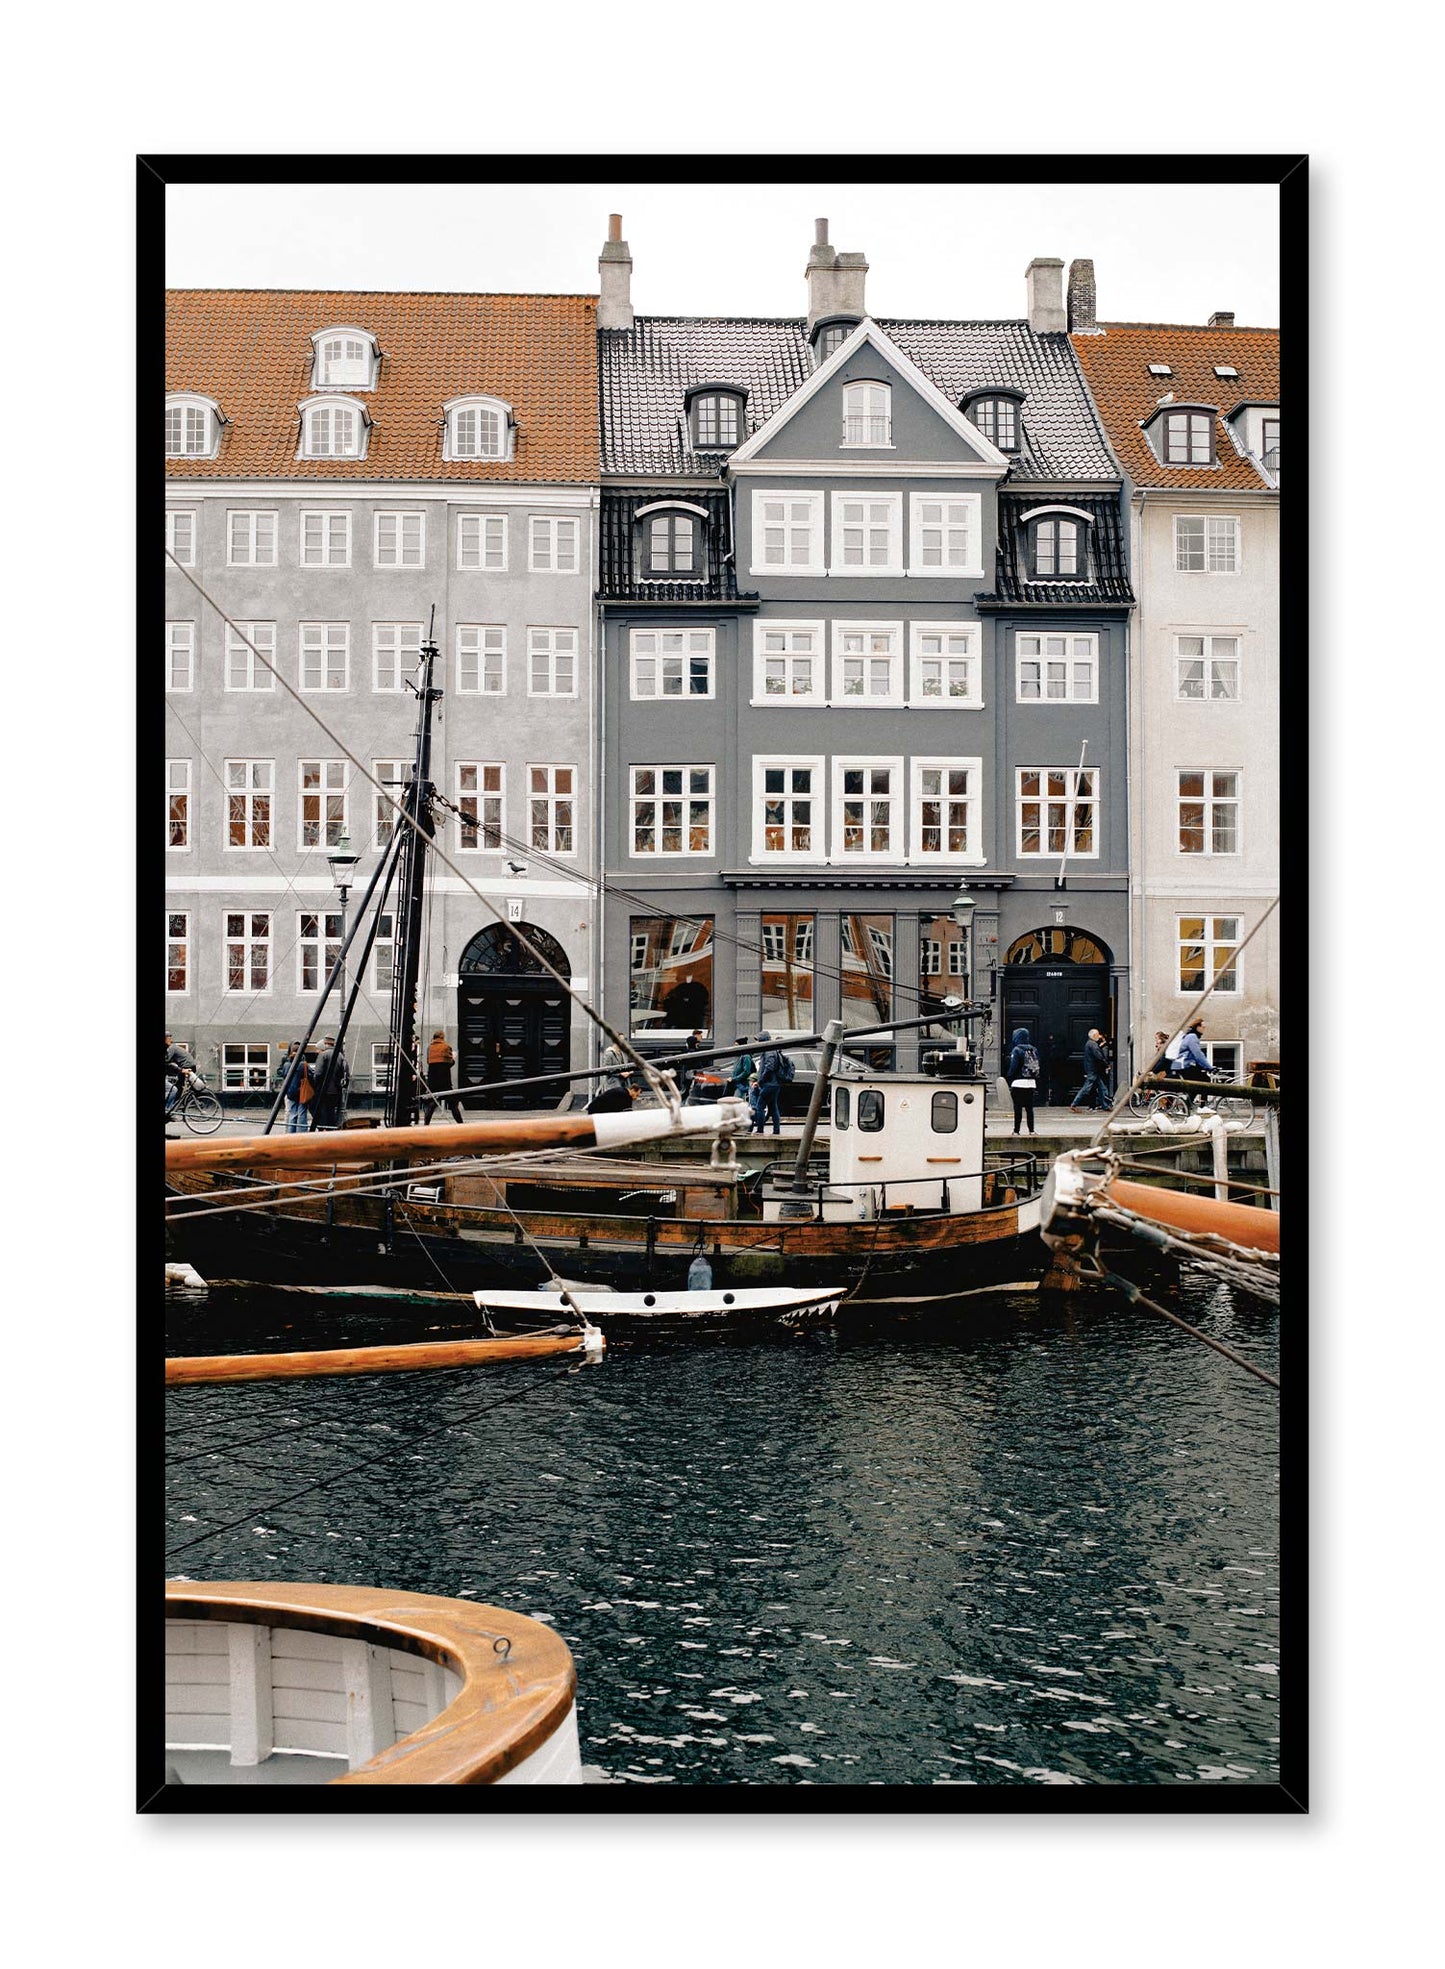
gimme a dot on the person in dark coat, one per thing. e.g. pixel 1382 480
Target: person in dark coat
pixel 1022 1084
pixel 1096 1074
pixel 333 1078
pixel 288 1079
pixel 439 1062
pixel 178 1065
pixel 771 1076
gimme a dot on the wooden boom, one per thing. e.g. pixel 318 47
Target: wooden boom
pixel 1239 1222
pixel 189 1371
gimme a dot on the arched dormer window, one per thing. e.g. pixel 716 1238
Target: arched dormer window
pixel 998 414
pixel 715 417
pixel 829 335
pixel 480 428
pixel 193 426
pixel 1056 543
pixel 345 359
pixel 1183 433
pixel 671 542
pixel 333 427
pixel 868 415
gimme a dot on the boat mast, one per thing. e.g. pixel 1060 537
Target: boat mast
pixel 402 1099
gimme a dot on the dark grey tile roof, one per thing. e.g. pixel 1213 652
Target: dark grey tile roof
pixel 618 578
pixel 1110 585
pixel 646 370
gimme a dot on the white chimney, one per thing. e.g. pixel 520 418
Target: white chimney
pixel 1046 297
pixel 614 276
pixel 835 280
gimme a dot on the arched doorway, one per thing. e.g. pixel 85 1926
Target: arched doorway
pixel 1056 983
pixel 514 1021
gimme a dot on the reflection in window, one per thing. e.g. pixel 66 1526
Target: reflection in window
pixel 870 1111
pixel 945 1113
pixel 867 971
pixel 842 1103
pixel 787 973
pixel 670 985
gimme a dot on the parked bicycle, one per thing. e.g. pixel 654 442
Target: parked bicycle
pixel 1180 1104
pixel 197 1106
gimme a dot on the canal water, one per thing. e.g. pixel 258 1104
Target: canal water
pixel 1031 1544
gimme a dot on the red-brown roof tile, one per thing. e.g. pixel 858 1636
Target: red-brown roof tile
pixel 251 351
pixel 1116 360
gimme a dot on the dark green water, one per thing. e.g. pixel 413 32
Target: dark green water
pixel 1036 1545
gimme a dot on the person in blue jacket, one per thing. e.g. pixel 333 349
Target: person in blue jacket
pixel 1186 1056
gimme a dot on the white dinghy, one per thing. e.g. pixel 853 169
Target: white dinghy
pixel 667 1302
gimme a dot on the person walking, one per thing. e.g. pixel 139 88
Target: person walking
pixel 293 1077
pixel 774 1071
pixel 1023 1076
pixel 1186 1057
pixel 333 1078
pixel 440 1060
pixel 1096 1074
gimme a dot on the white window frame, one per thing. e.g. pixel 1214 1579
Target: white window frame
pixel 259 783
pixel 972 656
pixel 381 1066
pixel 1209 800
pixel 1210 521
pixel 839 697
pixel 181 656
pixel 178 787
pixel 918 502
pixel 687 798
pixel 1207 658
pixel 321 372
pixel 490 543
pixel 181 938
pixel 547 536
pixel 325 645
pixel 971 856
pixel 191 406
pixel 1071 798
pixel 401 520
pixel 335 782
pixel 763 763
pixel 480 645
pixel 893 502
pixel 867 418
pixel 400 651
pixel 544 802
pixel 549 652
pixel 244 672
pixel 695 644
pixel 1211 1049
pixel 816 655
pixel 237 1074
pixel 897 849
pixel 383 814
pixel 190 515
pixel 506 430
pixel 250 940
pixel 330 517
pixel 312 413
pixel 1212 943
pixel 243 551
pixel 482 795
pixel 815 563
pixel 383 944
pixel 319 946
pixel 1069 657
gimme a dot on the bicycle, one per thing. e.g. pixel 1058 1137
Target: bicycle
pixel 1180 1105
pixel 197 1106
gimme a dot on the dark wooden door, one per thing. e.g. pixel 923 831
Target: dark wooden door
pixel 512 1029
pixel 1058 1004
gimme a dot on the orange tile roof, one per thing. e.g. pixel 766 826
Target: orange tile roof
pixel 251 351
pixel 1116 363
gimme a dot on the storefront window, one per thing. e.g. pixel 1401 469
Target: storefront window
pixel 670 974
pixel 786 961
pixel 867 945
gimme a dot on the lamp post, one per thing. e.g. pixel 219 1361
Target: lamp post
pixel 961 910
pixel 342 863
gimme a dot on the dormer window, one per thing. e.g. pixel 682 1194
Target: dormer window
pixel 193 427
pixel 867 414
pixel 671 545
pixel 1188 437
pixel 345 359
pixel 997 416
pixel 1269 444
pixel 480 428
pixel 717 419
pixel 829 337
pixel 332 427
pixel 1057 544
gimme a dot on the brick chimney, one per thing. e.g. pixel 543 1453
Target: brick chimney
pixel 1222 320
pixel 835 280
pixel 1045 280
pixel 614 276
pixel 1081 297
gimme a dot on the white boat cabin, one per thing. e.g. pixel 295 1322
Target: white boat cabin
pixel 899 1142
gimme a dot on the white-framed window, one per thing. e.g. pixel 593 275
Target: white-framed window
pixel 318 946
pixel 381 1058
pixel 551 809
pixel 245 1066
pixel 1058 811
pixel 867 810
pixel 867 663
pixel 395 654
pixel 867 415
pixel 181 536
pixel 383 953
pixel 321 803
pixel 945 535
pixel 945 664
pixel 332 429
pixel 178 804
pixel 394 775
pixel 251 539
pixel 788 663
pixel 1269 444
pixel 246 644
pixel 945 809
pixel 250 793
pixel 1208 812
pixel 1057 669
pixel 1206 543
pixel 178 951
pixel 672 810
pixel 1225 1056
pixel 672 662
pixel 180 656
pixel 345 359
pixel 325 538
pixel 482 659
pixel 481 789
pixel 787 809
pixel 325 656
pixel 1206 667
pixel 478 428
pixel 867 533
pixel 400 540
pixel 551 662
pixel 787 532
pixel 246 950
pixel 1208 953
pixel 193 426
pixel 553 546
pixel 482 542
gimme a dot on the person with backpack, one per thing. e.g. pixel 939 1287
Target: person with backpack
pixel 1023 1076
pixel 775 1070
pixel 293 1077
pixel 1161 1056
pixel 1186 1057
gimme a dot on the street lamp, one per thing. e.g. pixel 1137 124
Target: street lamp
pixel 342 863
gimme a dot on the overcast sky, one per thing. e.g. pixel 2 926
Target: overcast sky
pixel 1161 252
